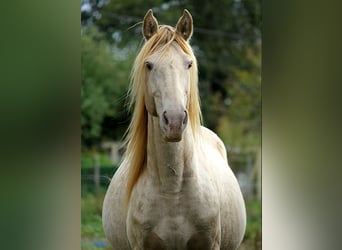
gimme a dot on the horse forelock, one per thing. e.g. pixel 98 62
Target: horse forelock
pixel 136 137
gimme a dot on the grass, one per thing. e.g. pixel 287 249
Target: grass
pixel 252 239
pixel 92 231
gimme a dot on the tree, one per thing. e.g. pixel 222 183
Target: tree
pixel 240 122
pixel 104 86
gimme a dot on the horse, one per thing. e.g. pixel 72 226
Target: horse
pixel 174 188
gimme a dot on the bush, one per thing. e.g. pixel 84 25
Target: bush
pixel 91 221
pixel 87 179
pixel 253 229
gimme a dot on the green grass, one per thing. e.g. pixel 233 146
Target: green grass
pixel 252 239
pixel 91 222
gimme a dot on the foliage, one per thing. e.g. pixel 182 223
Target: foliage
pixel 240 123
pixel 91 222
pixel 87 160
pixel 104 85
pixel 91 214
pixel 253 228
pixel 245 91
pixel 224 32
pixel 88 184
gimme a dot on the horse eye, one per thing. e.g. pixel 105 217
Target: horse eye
pixel 149 66
pixel 189 64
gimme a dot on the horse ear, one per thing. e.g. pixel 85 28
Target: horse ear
pixel 184 26
pixel 150 25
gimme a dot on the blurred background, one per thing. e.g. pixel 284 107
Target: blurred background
pixel 227 44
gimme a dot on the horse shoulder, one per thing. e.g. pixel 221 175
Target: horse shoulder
pixel 210 137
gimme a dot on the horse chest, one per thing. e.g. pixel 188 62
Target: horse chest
pixel 171 221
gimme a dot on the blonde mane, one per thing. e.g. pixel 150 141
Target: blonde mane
pixel 136 139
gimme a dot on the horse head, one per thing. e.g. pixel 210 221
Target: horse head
pixel 168 75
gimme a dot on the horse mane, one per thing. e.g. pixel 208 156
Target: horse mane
pixel 136 135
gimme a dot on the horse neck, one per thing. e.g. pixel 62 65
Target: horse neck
pixel 169 162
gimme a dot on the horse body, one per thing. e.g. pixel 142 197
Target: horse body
pixel 185 196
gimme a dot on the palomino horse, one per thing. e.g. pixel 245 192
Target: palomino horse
pixel 174 188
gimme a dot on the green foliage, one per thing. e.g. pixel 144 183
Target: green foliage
pixel 104 85
pixel 224 33
pixel 87 160
pixel 91 215
pixel 91 221
pixel 245 91
pixel 88 185
pixel 253 228
pixel 232 133
pixel 240 123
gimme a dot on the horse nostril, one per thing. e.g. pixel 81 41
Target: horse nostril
pixel 185 120
pixel 165 118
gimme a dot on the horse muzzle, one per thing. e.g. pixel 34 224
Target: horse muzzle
pixel 172 124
